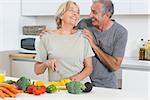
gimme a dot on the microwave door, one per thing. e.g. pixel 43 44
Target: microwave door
pixel 28 44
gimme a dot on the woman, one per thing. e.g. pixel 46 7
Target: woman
pixel 68 52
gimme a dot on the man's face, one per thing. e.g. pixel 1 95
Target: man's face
pixel 96 14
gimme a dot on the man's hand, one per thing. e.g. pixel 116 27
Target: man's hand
pixel 44 32
pixel 90 37
pixel 52 64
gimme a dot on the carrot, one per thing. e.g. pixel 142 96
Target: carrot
pixel 6 85
pixel 15 91
pixel 7 91
pixel 6 95
pixel 1 94
pixel 11 88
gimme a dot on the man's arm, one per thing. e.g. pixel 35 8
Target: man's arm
pixel 112 63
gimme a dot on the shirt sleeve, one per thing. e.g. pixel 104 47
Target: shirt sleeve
pixel 120 43
pixel 88 52
pixel 41 52
pixel 84 23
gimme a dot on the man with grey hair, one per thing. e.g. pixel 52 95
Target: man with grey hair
pixel 107 39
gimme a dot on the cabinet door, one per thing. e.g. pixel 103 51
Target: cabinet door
pixel 139 7
pixel 85 6
pixel 121 7
pixel 49 7
pixel 40 7
pixel 135 81
pixel 26 68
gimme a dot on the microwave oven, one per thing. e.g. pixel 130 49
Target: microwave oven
pixel 28 43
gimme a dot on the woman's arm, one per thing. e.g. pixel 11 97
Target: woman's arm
pixel 88 68
pixel 39 68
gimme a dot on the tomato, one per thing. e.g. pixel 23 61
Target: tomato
pixel 37 91
pixel 43 89
pixel 30 89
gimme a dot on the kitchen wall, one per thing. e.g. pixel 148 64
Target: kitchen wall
pixel 137 26
pixel 10 13
pixel 149 27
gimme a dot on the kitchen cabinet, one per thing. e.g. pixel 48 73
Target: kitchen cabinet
pixel 136 75
pixel 49 7
pixel 139 7
pixel 121 7
pixel 136 81
pixel 26 68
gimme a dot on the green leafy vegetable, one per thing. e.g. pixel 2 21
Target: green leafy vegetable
pixel 23 82
pixel 75 87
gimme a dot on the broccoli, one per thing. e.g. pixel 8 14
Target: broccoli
pixel 75 87
pixel 23 82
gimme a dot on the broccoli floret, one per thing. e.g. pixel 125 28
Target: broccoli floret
pixel 23 82
pixel 75 87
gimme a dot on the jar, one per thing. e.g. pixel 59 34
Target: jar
pixel 142 54
pixel 147 54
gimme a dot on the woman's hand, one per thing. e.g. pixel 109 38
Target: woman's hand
pixel 52 64
pixel 75 78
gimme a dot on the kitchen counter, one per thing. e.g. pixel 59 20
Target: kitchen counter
pixel 97 93
pixel 135 64
pixel 21 56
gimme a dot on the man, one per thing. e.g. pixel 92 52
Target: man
pixel 107 39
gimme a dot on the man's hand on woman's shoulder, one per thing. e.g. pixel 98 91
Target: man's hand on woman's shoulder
pixel 45 32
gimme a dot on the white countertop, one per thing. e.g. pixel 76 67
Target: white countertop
pixel 96 94
pixel 134 63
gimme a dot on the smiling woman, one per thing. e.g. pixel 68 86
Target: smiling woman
pixel 69 53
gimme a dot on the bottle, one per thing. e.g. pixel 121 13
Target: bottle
pixel 147 51
pixel 142 50
pixel 148 44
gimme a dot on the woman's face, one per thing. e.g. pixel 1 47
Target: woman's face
pixel 71 16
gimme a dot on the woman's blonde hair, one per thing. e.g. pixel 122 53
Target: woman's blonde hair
pixel 61 10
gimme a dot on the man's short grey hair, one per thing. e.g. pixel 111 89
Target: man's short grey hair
pixel 108 6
